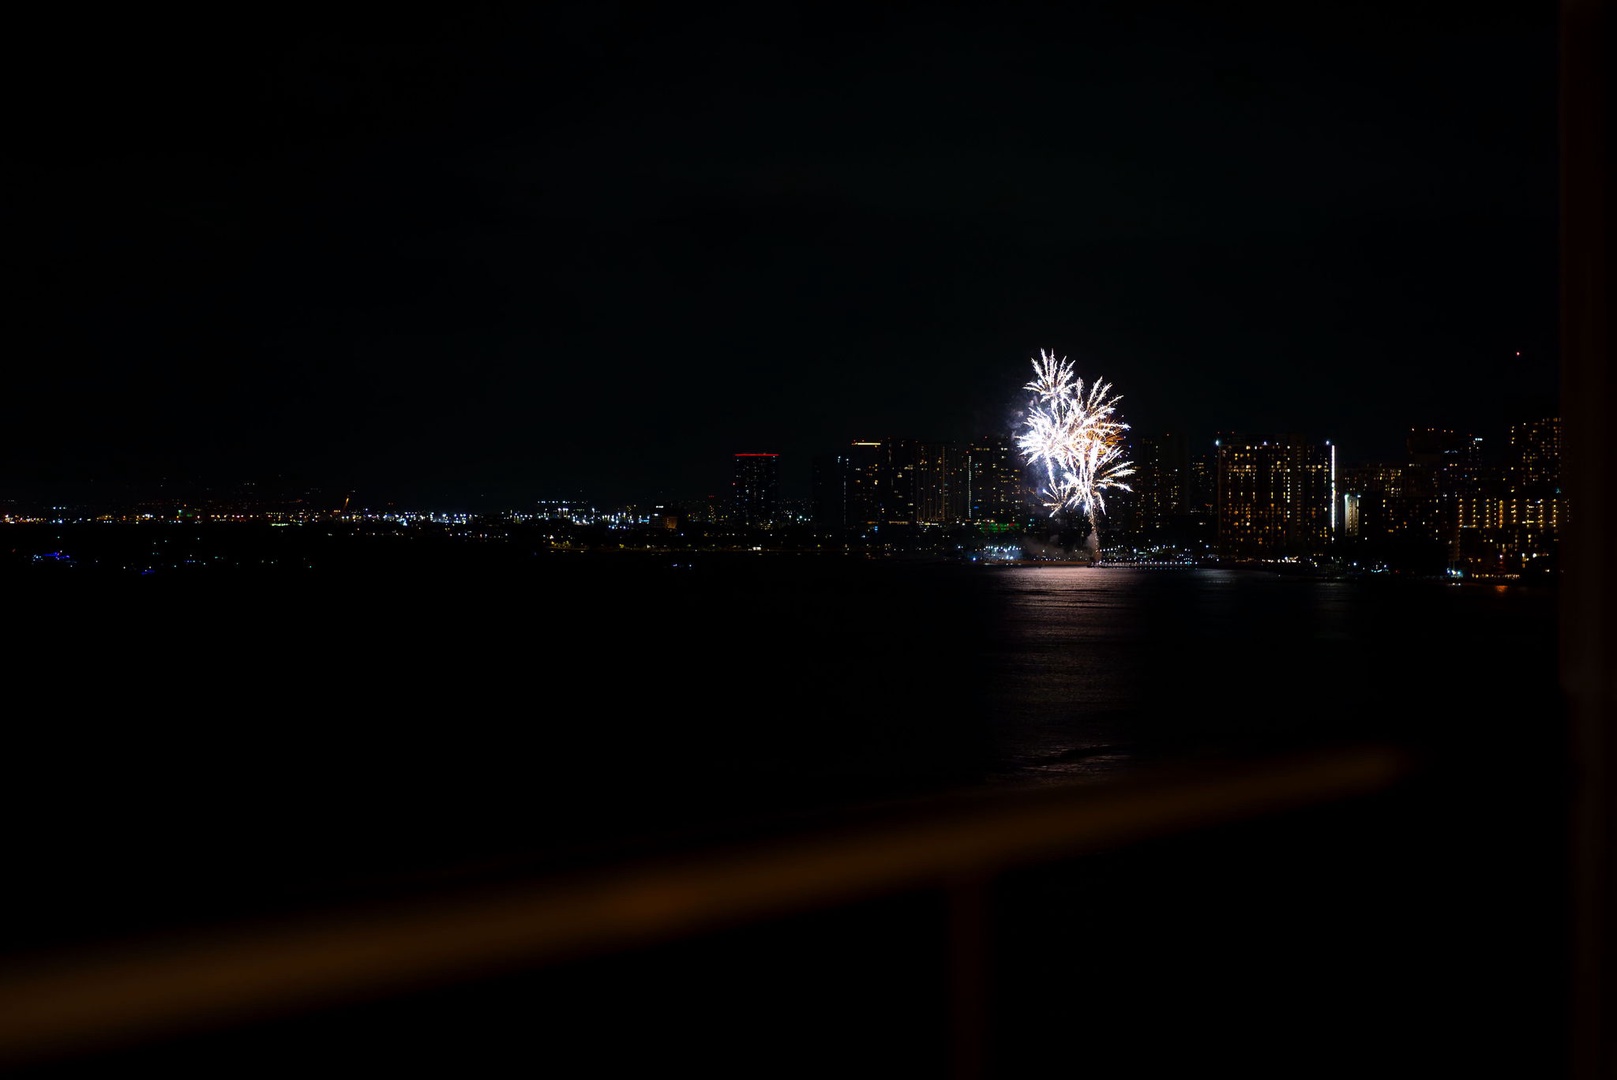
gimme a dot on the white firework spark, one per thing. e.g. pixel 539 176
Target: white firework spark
pixel 1075 437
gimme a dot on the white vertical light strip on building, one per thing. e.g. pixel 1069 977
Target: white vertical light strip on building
pixel 1333 487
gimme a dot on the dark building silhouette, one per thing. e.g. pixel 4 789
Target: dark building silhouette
pixel 828 496
pixel 755 491
pixel 920 484
pixel 1535 456
pixel 1161 485
pixel 905 483
pixel 864 486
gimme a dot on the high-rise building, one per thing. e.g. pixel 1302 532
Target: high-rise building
pixel 996 488
pixel 828 482
pixel 865 482
pixel 1535 456
pixel 904 482
pixel 1161 484
pixel 918 489
pixel 1201 493
pixel 755 491
pixel 1276 496
pixel 1442 462
pixel 956 484
pixel 1436 446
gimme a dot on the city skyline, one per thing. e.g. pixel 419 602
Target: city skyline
pixel 1260 500
pixel 1495 449
pixel 1494 452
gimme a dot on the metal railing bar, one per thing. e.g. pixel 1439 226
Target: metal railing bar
pixel 182 984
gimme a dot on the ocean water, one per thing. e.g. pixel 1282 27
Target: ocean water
pixel 411 712
pixel 190 749
pixel 1095 669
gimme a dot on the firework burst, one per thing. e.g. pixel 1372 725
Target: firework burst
pixel 1075 438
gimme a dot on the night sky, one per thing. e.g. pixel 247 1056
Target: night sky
pixel 594 250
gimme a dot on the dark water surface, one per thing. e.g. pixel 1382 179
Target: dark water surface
pixel 186 749
pixel 299 727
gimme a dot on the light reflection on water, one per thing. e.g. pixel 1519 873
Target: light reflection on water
pixel 1092 670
